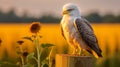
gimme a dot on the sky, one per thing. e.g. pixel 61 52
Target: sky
pixel 41 7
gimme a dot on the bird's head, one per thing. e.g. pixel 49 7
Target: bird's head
pixel 70 9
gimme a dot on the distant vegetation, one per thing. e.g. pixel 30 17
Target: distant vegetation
pixel 97 18
pixel 92 17
pixel 12 17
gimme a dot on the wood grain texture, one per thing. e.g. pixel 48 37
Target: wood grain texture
pixel 65 60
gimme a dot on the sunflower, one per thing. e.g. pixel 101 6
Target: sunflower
pixel 0 41
pixel 35 27
pixel 25 54
pixel 20 42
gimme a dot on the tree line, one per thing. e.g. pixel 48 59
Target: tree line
pixel 92 17
pixel 107 18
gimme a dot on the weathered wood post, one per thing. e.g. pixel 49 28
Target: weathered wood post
pixel 65 60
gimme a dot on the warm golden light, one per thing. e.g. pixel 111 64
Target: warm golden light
pixel 11 33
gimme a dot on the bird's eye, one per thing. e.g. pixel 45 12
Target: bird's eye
pixel 69 9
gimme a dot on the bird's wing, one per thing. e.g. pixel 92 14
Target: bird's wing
pixel 88 23
pixel 87 34
pixel 62 31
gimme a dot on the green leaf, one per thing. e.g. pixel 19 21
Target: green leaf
pixel 8 63
pixel 45 65
pixel 46 45
pixel 28 38
pixel 18 50
pixel 31 55
pixel 45 53
pixel 28 65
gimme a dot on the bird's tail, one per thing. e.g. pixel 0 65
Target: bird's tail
pixel 97 54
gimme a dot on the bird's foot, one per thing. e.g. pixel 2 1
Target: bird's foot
pixel 76 53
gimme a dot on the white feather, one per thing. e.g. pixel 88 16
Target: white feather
pixel 70 32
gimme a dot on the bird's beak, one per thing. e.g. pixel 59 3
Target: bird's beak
pixel 64 12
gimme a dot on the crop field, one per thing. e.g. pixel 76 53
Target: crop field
pixel 108 36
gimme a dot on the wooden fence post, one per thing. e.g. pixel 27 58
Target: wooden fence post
pixel 65 60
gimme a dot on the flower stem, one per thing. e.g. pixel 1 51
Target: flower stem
pixel 22 59
pixel 49 58
pixel 38 51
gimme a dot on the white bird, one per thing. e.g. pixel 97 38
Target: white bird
pixel 78 32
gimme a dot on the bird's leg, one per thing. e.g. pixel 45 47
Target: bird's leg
pixel 77 51
pixel 74 50
pixel 82 52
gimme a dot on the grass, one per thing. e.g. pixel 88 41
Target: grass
pixel 108 36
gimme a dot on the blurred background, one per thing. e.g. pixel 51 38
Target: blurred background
pixel 17 15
